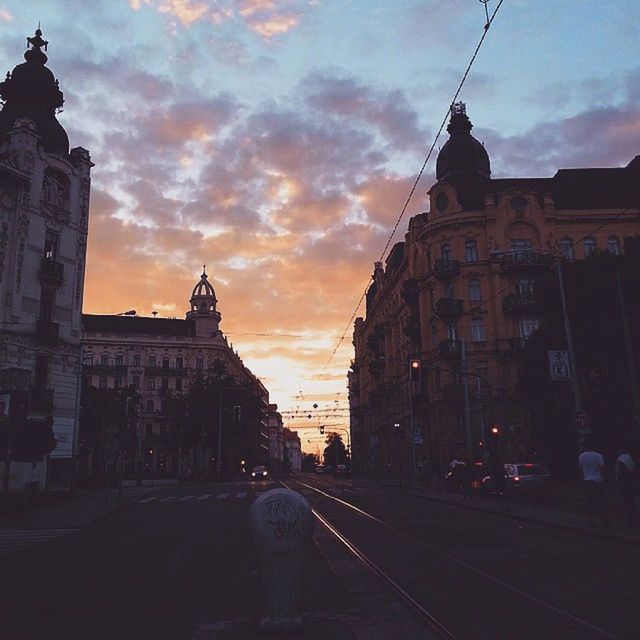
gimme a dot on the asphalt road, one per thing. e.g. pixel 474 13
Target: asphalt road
pixel 487 576
pixel 156 569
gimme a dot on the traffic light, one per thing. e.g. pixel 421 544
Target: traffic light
pixel 237 413
pixel 415 370
pixel 495 431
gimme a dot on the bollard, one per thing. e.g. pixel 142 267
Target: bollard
pixel 281 526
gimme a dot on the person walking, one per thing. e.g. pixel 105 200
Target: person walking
pixel 591 464
pixel 625 481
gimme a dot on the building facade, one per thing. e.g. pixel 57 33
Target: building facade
pixel 459 298
pixel 276 439
pixel 293 450
pixel 44 208
pixel 154 363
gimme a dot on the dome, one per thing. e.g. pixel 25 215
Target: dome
pixel 31 91
pixel 462 154
pixel 204 288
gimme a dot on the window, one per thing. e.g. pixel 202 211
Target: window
pixel 445 252
pixel 518 204
pixel 589 247
pixel 613 245
pixel 179 363
pixel 521 246
pixel 103 382
pixel 51 240
pixel 165 384
pixel 449 290
pixel 135 382
pixel 117 382
pixel 477 330
pixel 525 289
pixel 151 384
pixel 470 251
pixel 136 361
pixel 150 406
pixel 482 373
pixel 104 360
pixel 199 363
pixel 452 332
pixel 165 363
pixel 566 248
pixel 152 362
pixel 87 359
pixel 178 384
pixel 55 188
pixel 528 326
pixel 119 360
pixel 164 407
pixel 475 292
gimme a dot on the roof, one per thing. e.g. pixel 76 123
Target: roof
pixel 126 325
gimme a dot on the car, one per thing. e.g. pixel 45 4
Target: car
pixel 529 479
pixel 320 468
pixel 475 476
pixel 259 473
pixel 342 471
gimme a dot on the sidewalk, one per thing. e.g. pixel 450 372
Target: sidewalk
pixel 565 510
pixel 68 511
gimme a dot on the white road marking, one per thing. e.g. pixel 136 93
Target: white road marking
pixel 241 495
pixel 151 499
pixel 166 499
pixel 186 498
pixel 204 497
pixel 222 495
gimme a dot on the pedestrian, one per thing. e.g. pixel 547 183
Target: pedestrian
pixel 625 481
pixel 591 464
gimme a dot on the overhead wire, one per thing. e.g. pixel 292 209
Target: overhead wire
pixel 417 180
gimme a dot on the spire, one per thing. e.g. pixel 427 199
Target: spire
pixel 31 91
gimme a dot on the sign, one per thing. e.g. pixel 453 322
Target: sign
pixel 63 433
pixel 559 365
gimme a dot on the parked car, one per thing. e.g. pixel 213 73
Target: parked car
pixel 474 476
pixel 342 471
pixel 530 479
pixel 320 468
pixel 259 473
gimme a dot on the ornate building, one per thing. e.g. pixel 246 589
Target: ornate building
pixel 44 207
pixel 459 297
pixel 157 360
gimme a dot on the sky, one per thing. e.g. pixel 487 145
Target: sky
pixel 277 141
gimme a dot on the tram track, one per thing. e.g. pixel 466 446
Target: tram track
pixel 440 628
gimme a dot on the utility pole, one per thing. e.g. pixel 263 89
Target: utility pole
pixel 629 350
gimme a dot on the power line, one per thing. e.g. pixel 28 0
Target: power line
pixel 415 183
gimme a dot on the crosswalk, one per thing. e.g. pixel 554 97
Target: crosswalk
pixel 12 540
pixel 238 495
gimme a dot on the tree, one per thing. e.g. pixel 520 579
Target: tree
pixel 309 462
pixel 335 452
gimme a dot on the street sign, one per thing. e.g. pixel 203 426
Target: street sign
pixel 559 365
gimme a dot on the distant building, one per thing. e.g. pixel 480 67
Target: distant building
pixel 44 208
pixel 293 449
pixel 276 439
pixel 157 360
pixel 459 296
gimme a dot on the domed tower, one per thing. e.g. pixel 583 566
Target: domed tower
pixel 31 91
pixel 203 308
pixel 462 154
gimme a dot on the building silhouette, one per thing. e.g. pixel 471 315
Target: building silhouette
pixel 460 296
pixel 151 364
pixel 44 208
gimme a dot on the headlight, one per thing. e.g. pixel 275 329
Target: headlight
pixel 253 475
pixel 264 473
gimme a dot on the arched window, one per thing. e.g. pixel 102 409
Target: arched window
pixel 445 252
pixel 470 251
pixel 566 247
pixel 590 246
pixel 475 292
pixel 613 245
pixel 55 188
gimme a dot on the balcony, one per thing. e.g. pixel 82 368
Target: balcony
pixel 523 302
pixel 411 329
pixel 449 349
pixel 51 272
pixel 410 291
pixel 446 268
pixel 449 307
pixel 524 261
pixel 47 331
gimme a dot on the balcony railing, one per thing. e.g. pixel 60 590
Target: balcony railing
pixel 51 272
pixel 449 349
pixel 449 307
pixel 444 268
pixel 47 331
pixel 522 302
pixel 524 261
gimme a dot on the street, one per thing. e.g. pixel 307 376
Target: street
pixel 178 562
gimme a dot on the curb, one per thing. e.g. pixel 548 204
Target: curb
pixel 601 535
